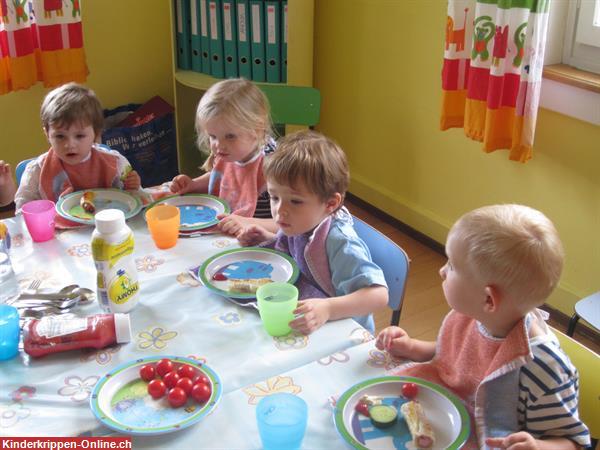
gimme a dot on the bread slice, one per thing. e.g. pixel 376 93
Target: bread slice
pixel 247 285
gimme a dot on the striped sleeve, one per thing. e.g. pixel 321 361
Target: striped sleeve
pixel 263 202
pixel 548 396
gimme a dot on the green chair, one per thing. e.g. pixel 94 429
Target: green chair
pixel 293 105
pixel 588 366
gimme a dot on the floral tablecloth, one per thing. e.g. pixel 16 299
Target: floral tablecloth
pixel 49 396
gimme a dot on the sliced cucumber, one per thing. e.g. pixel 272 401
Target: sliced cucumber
pixel 383 416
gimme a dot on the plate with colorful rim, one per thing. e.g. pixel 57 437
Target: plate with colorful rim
pixel 197 211
pixel 120 400
pixel 69 207
pixel 249 263
pixel 446 413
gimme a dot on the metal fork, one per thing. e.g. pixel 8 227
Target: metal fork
pixel 31 289
pixel 33 286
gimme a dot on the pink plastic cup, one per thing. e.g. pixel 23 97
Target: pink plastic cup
pixel 39 218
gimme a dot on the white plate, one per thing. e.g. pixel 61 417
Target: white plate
pixel 120 400
pixel 244 263
pixel 446 413
pixel 69 208
pixel 197 211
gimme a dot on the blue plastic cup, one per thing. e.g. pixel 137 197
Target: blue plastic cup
pixel 9 332
pixel 281 421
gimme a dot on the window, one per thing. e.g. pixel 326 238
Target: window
pixel 581 47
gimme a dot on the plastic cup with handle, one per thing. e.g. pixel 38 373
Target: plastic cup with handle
pixel 163 223
pixel 9 332
pixel 39 217
pixel 281 420
pixel 276 304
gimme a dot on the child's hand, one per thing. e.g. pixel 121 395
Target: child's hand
pixel 6 177
pixel 253 235
pixel 232 224
pixel 132 181
pixel 314 314
pixel 520 440
pixel 182 184
pixel 394 340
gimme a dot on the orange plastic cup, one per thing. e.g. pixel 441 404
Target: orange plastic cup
pixel 163 223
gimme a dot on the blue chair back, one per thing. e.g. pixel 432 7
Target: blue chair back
pixel 21 168
pixel 392 259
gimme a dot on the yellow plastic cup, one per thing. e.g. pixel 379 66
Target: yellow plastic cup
pixel 163 223
pixel 276 304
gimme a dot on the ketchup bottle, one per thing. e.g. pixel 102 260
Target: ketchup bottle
pixel 53 334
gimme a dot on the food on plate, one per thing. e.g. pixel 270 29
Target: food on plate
pixel 420 428
pixel 383 416
pixel 362 408
pixel 176 387
pixel 410 390
pixel 247 285
pixel 87 202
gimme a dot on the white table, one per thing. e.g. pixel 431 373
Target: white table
pixel 49 396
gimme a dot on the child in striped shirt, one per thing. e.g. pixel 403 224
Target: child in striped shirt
pixel 494 349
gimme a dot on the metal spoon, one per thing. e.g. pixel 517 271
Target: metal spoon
pixel 60 304
pixel 68 292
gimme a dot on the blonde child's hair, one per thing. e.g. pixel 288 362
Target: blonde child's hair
pixel 310 158
pixel 72 103
pixel 239 102
pixel 513 247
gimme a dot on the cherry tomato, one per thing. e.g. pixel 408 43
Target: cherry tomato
pixel 201 379
pixel 171 379
pixel 176 397
pixel 410 390
pixel 147 372
pixel 201 392
pixel 186 371
pixel 164 366
pixel 186 384
pixel 362 408
pixel 219 277
pixel 157 388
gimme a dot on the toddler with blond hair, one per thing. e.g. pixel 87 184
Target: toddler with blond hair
pixel 494 349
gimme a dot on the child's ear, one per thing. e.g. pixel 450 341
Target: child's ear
pixel 493 298
pixel 334 202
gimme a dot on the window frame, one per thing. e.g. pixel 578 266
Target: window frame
pixel 579 27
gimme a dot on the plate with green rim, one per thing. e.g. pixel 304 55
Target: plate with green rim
pixel 445 412
pixel 120 400
pixel 197 211
pixel 249 263
pixel 69 206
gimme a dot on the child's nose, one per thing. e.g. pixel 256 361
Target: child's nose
pixel 443 272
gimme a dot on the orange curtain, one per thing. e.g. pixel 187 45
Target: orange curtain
pixel 492 71
pixel 40 40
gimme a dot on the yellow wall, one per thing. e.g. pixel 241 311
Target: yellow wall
pixel 378 66
pixel 128 51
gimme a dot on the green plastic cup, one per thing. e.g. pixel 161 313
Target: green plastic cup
pixel 276 303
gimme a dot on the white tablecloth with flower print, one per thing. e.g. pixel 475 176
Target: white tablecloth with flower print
pixel 49 396
pixel 232 425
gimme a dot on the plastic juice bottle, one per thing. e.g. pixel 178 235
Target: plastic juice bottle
pixel 112 250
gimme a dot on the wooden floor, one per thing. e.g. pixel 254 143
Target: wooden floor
pixel 424 305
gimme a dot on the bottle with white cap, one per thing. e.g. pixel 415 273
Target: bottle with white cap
pixel 112 250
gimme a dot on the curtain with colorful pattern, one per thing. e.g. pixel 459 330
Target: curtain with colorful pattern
pixel 40 40
pixel 492 71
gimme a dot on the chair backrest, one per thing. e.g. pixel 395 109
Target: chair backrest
pixel 392 259
pixel 293 105
pixel 21 168
pixel 588 366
